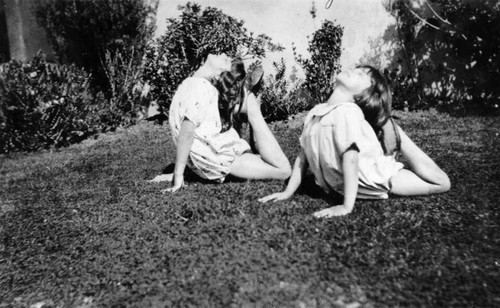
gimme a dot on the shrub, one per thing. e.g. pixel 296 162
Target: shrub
pixel 325 50
pixel 126 101
pixel 447 54
pixel 189 39
pixel 81 31
pixel 281 99
pixel 44 105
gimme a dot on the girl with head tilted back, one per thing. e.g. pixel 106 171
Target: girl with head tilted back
pixel 349 145
pixel 205 120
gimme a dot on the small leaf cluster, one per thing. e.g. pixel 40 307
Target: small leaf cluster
pixel 280 97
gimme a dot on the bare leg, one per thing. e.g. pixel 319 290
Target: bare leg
pixel 271 163
pixel 424 176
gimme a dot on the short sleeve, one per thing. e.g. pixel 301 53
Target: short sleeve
pixel 301 139
pixel 195 97
pixel 305 128
pixel 347 131
pixel 302 135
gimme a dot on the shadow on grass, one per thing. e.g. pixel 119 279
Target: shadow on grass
pixel 190 176
pixel 309 188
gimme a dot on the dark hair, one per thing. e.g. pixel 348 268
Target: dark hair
pixel 376 100
pixel 231 94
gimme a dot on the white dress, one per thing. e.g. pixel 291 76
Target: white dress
pixel 212 152
pixel 329 131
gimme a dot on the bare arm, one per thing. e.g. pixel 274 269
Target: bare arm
pixel 184 143
pixel 351 178
pixel 299 169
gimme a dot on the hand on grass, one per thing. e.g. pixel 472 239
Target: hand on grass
pixel 276 197
pixel 178 183
pixel 338 210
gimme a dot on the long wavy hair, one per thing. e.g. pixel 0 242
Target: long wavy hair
pixel 231 94
pixel 376 100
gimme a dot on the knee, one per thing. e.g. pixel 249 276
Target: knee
pixel 442 184
pixel 445 183
pixel 285 172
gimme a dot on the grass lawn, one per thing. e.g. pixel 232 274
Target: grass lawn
pixel 81 227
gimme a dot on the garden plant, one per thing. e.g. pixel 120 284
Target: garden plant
pixel 45 105
pixel 444 54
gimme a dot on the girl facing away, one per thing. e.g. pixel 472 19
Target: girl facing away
pixel 204 119
pixel 349 145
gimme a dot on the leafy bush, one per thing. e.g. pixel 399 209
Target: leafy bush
pixel 325 49
pixel 81 31
pixel 447 54
pixel 189 39
pixel 125 89
pixel 44 105
pixel 280 98
pixel 108 38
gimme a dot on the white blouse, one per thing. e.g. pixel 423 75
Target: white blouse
pixel 212 151
pixel 329 131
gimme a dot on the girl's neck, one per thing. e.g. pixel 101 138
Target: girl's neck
pixel 340 95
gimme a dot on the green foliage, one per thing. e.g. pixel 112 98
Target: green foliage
pixel 280 98
pixel 108 39
pixel 320 70
pixel 44 105
pixel 448 54
pixel 126 101
pixel 81 31
pixel 189 39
